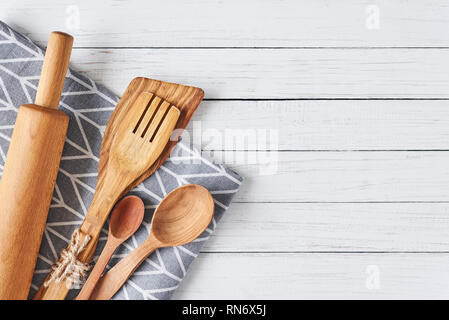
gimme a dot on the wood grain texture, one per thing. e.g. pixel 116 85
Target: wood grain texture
pixel 340 176
pixel 331 227
pixel 26 189
pixel 326 125
pixel 185 98
pixel 278 74
pixel 316 276
pixel 254 23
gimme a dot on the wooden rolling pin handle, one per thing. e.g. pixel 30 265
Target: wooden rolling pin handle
pixel 54 69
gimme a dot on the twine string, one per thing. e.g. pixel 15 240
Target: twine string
pixel 69 268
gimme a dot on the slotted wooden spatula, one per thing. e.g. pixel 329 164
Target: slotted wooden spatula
pixel 139 136
pixel 136 137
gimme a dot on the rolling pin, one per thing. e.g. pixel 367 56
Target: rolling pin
pixel 30 171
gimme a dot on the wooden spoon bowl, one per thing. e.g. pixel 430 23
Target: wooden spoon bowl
pixel 124 224
pixel 125 220
pixel 183 215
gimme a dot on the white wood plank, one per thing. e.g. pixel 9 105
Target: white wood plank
pixel 249 23
pixel 340 176
pixel 317 276
pixel 272 73
pixel 326 125
pixel 324 227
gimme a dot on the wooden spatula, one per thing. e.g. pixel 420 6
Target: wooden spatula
pixel 136 138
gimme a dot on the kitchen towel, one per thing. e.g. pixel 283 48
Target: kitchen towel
pixel 89 106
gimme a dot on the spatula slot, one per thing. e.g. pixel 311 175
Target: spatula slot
pixel 143 113
pixel 152 118
pixel 160 123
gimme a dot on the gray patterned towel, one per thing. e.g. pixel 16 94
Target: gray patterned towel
pixel 89 106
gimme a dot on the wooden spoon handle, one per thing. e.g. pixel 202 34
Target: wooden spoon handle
pixel 95 275
pixel 115 278
pixel 54 69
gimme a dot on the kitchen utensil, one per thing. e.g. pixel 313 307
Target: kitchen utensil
pixel 126 158
pixel 185 98
pixel 125 220
pixel 179 219
pixel 30 172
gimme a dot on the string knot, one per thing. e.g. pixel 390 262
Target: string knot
pixel 69 268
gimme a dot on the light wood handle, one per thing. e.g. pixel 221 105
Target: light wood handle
pixel 26 190
pixel 95 275
pixel 54 69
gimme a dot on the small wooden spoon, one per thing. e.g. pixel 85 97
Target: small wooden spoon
pixel 179 219
pixel 125 220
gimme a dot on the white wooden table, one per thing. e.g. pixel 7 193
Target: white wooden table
pixel 358 93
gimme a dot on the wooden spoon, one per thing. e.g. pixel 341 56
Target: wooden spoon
pixel 179 219
pixel 125 220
